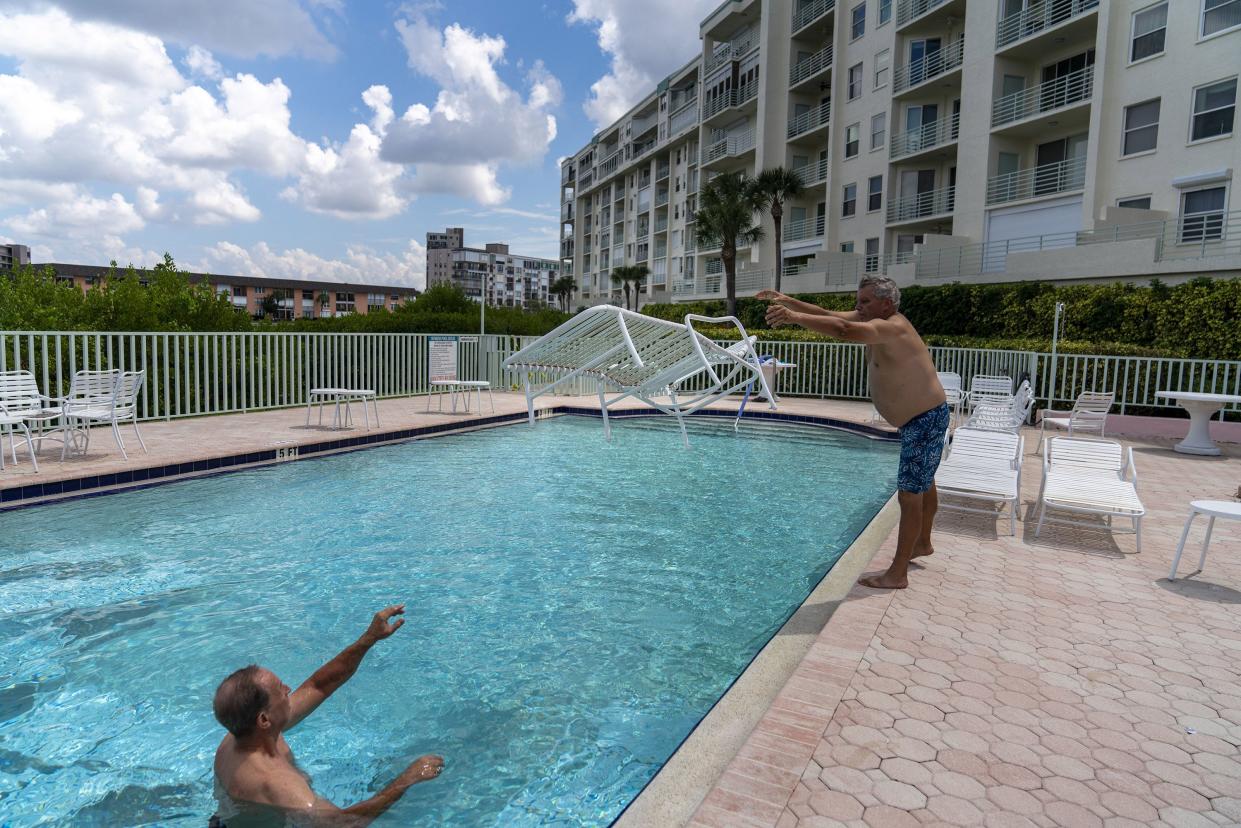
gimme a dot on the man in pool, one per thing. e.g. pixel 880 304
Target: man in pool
pixel 257 781
pixel 905 390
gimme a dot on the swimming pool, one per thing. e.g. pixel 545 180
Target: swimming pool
pixel 575 607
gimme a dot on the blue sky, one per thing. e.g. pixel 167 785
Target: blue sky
pixel 316 138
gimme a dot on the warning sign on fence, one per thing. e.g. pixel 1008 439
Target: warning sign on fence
pixel 443 358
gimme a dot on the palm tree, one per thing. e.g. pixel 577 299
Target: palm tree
pixel 772 189
pixel 637 274
pixel 621 279
pixel 324 299
pixel 564 287
pixel 726 208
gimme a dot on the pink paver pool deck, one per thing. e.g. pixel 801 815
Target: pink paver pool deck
pixel 1058 681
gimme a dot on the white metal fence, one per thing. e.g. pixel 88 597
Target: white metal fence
pixel 196 374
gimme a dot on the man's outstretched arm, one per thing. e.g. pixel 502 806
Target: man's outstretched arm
pixel 328 678
pixel 361 814
pixel 803 307
pixel 876 330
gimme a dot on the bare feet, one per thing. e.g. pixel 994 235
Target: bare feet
pixel 923 551
pixel 884 581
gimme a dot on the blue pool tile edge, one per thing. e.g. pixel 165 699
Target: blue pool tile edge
pixel 59 491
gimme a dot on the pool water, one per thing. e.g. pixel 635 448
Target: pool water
pixel 574 607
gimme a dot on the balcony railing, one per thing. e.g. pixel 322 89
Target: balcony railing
pixel 908 10
pixel 684 118
pixel 1037 17
pixel 566 212
pixel 925 137
pixel 729 147
pixel 1033 182
pixel 733 50
pixel 566 174
pixel 1073 88
pixel 661 198
pixel 812 119
pixel 609 164
pixel 813 173
pixel 661 224
pixel 811 66
pixel 662 172
pixel 807 229
pixel 712 284
pixel 922 205
pixel 729 99
pixel 805 13
pixel 929 66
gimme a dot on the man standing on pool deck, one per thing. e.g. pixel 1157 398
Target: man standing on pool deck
pixel 257 781
pixel 906 391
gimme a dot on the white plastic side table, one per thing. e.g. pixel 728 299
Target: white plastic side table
pixel 1212 509
pixel 1201 408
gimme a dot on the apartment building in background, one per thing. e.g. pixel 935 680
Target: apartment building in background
pixel 939 141
pixel 14 255
pixel 295 298
pixel 506 279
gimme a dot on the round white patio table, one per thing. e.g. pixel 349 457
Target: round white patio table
pixel 1212 509
pixel 1201 408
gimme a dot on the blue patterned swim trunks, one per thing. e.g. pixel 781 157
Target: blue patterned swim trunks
pixel 922 447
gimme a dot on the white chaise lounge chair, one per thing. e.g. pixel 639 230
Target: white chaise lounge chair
pixel 667 365
pixel 1002 411
pixel 983 465
pixel 1089 415
pixel 1089 477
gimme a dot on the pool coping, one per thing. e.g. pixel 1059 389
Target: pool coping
pixel 680 789
pixel 96 485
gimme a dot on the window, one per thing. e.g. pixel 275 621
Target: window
pixel 1141 127
pixel 853 141
pixel 858 27
pixel 874 193
pixel 881 68
pixel 846 247
pixel 872 255
pixel 849 204
pixel 1135 202
pixel 1220 16
pixel 1202 215
pixel 878 130
pixel 1150 26
pixel 239 290
pixel 855 82
pixel 1214 107
pixel 885 11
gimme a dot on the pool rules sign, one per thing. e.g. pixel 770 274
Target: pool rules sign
pixel 443 358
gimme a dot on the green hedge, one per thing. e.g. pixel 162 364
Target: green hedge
pixel 1199 319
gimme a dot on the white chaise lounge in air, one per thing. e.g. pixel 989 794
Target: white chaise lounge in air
pixel 982 465
pixel 667 365
pixel 1090 477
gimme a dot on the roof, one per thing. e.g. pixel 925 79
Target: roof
pixel 95 271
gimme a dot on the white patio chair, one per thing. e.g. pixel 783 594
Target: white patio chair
pixel 983 465
pixel 20 394
pixel 1089 477
pixel 667 365
pixel 1005 412
pixel 954 392
pixel 1088 416
pixel 9 421
pixel 121 405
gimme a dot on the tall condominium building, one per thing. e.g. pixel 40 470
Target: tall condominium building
pixel 13 255
pixel 507 279
pixel 1000 141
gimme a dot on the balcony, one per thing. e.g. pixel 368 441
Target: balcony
pixel 813 173
pixel 804 230
pixel 925 205
pixel 809 121
pixel 731 147
pixel 929 66
pixel 661 224
pixel 643 124
pixel 586 178
pixel 663 170
pixel 566 174
pixel 727 52
pixel 810 11
pixel 810 68
pixel 729 100
pixel 684 118
pixel 609 165
pixel 661 198
pixel 1051 96
pixel 927 137
pixel 1037 182
pixel 566 212
pixel 908 11
pixel 1039 17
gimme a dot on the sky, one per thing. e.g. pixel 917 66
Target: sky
pixel 309 138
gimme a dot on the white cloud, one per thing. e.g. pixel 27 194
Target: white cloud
pixel 642 54
pixel 81 215
pixel 477 122
pixel 244 28
pixel 360 265
pixel 203 64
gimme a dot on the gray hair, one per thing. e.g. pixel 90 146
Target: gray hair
pixel 884 288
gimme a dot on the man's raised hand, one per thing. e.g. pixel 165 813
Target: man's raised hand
pixel 380 627
pixel 769 295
